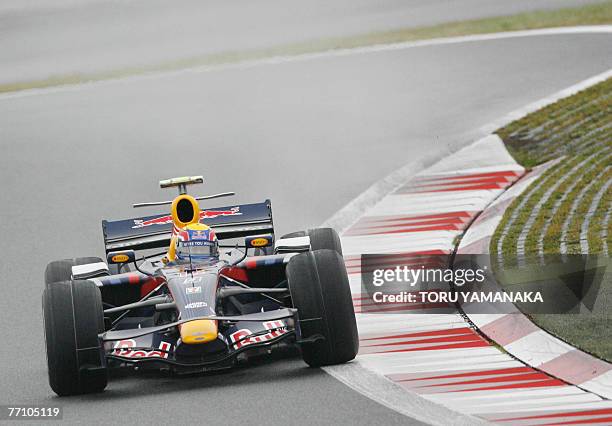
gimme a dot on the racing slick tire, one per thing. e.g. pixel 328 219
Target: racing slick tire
pixel 73 317
pixel 61 270
pixel 320 291
pixel 320 238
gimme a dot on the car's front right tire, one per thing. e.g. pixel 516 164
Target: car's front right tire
pixel 73 318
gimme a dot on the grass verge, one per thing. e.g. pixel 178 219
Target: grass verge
pixel 577 129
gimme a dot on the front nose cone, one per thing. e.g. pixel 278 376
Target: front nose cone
pixel 199 331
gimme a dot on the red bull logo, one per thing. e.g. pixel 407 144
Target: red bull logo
pixel 200 235
pixel 205 214
pixel 124 348
pixel 243 337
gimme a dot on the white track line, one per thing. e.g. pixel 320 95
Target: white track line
pixel 274 60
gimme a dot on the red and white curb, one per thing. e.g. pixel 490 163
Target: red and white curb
pixel 515 332
pixel 440 356
pixel 437 368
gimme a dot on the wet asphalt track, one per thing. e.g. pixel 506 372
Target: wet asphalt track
pixel 304 134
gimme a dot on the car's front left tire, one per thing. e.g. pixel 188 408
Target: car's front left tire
pixel 73 318
pixel 61 270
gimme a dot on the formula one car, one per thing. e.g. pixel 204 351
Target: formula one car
pixel 199 305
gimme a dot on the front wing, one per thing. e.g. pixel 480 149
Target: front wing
pixel 161 345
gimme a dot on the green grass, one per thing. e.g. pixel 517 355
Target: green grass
pixel 590 332
pixel 596 227
pixel 543 136
pixel 574 130
pixel 573 235
pixel 591 107
pixel 551 237
pixel 513 232
pixel 596 14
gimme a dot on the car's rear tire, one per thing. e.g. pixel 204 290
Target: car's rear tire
pixel 73 318
pixel 320 238
pixel 61 270
pixel 320 291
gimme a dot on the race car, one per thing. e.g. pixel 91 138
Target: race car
pixel 222 291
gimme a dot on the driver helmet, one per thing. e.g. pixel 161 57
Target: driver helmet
pixel 196 242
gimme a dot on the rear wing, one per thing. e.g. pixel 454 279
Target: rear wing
pixel 155 231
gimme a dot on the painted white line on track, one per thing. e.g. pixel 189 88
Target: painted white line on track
pixel 274 60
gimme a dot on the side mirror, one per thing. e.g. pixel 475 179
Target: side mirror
pixel 120 257
pixel 259 241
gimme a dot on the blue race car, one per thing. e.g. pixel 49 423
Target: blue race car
pixel 222 290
